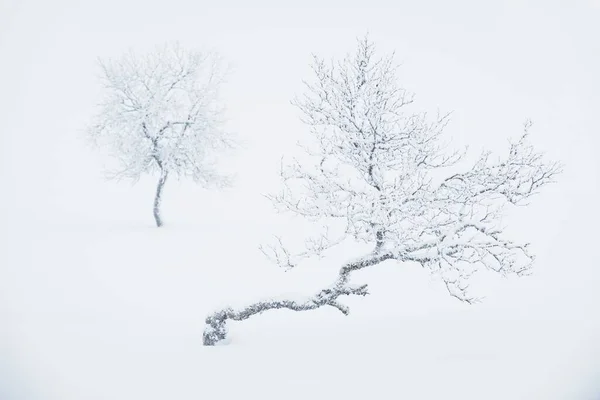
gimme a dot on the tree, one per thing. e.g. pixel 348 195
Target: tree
pixel 162 114
pixel 382 174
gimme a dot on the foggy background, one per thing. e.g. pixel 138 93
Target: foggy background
pixel 494 64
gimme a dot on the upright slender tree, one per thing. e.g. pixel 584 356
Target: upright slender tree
pixel 381 171
pixel 162 115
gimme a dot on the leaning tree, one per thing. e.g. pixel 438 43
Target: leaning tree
pixel 382 173
pixel 162 115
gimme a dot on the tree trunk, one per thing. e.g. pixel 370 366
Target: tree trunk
pixel 158 198
pixel 216 323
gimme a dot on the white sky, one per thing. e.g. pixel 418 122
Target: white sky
pixel 494 64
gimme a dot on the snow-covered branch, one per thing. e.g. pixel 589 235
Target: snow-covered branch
pixel 374 165
pixel 378 169
pixel 162 114
pixel 314 246
pixel 216 323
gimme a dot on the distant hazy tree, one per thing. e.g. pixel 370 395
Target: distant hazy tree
pixel 162 114
pixel 380 171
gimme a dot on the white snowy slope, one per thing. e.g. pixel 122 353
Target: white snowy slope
pixel 97 303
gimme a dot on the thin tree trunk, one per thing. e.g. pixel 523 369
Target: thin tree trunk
pixel 158 198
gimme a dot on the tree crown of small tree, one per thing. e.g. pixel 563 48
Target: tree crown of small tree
pixel 162 113
pixel 379 170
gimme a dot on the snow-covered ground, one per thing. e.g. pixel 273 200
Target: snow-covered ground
pixel 114 310
pixel 96 303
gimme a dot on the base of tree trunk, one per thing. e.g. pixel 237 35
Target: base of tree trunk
pixel 158 199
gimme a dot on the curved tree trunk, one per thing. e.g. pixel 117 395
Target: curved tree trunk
pixel 216 323
pixel 158 198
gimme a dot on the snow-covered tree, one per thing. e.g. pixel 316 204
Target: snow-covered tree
pixel 386 176
pixel 162 115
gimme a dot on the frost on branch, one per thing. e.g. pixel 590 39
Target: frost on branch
pixel 378 170
pixel 279 254
pixel 162 115
pixel 216 328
